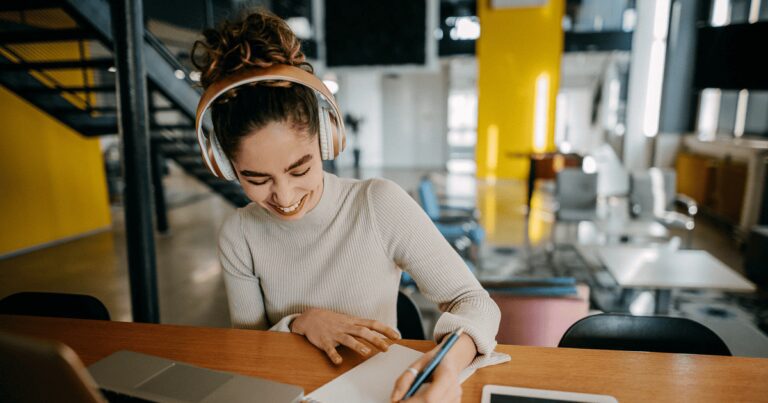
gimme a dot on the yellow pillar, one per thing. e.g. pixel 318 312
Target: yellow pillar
pixel 518 56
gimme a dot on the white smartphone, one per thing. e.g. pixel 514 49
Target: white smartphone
pixel 511 394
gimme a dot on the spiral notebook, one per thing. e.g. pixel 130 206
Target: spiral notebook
pixel 373 380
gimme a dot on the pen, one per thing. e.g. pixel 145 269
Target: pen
pixel 424 374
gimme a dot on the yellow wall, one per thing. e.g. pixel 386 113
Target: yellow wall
pixel 52 178
pixel 52 182
pixel 519 49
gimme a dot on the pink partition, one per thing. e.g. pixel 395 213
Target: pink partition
pixel 539 321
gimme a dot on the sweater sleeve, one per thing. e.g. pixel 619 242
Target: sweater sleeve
pixel 410 238
pixel 246 303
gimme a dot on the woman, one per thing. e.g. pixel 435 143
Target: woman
pixel 315 254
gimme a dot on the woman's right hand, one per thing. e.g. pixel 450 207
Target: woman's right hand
pixel 327 329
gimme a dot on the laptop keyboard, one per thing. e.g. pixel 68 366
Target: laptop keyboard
pixel 115 397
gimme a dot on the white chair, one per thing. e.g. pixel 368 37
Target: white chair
pixel 653 196
pixel 575 197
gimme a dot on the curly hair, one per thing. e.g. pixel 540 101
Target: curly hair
pixel 257 39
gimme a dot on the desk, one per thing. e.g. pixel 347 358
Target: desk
pixel 657 268
pixel 662 270
pixel 608 231
pixel 629 376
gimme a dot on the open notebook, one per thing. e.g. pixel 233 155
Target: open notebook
pixel 373 380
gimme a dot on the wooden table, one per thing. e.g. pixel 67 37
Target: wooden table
pixel 289 358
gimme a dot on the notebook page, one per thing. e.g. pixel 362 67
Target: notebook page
pixel 373 380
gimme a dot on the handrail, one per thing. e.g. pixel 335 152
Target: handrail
pixel 158 45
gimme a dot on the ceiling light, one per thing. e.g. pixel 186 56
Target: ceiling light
pixel 300 27
pixel 467 28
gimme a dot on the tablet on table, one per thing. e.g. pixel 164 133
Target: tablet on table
pixel 511 394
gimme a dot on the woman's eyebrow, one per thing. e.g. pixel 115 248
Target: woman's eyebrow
pixel 252 173
pixel 301 161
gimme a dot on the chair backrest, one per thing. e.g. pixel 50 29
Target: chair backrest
pixel 60 305
pixel 576 189
pixel 652 191
pixel 611 331
pixel 409 318
pixel 428 198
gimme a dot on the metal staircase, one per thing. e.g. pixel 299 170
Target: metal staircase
pixel 30 33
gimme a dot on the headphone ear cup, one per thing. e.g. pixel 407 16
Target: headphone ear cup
pixel 335 136
pixel 221 160
pixel 326 151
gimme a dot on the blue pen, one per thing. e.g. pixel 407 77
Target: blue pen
pixel 423 375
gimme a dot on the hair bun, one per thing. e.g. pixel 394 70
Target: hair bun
pixel 256 39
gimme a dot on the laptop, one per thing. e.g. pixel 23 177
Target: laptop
pixel 34 370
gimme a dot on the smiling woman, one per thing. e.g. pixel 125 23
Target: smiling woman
pixel 315 254
pixel 280 168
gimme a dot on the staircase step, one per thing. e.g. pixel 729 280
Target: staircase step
pixel 177 150
pixel 20 36
pixel 189 160
pixel 201 173
pixel 44 90
pixel 28 5
pixel 102 63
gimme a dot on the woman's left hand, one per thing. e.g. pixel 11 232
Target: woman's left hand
pixel 444 386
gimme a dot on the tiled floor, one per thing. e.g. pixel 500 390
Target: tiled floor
pixel 190 286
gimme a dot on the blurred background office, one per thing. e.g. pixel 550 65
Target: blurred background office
pixel 582 156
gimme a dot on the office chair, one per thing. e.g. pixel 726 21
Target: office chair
pixel 610 331
pixel 575 195
pixel 442 212
pixel 409 318
pixel 453 222
pixel 575 198
pixel 60 305
pixel 653 196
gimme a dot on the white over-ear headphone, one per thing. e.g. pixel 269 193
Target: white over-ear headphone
pixel 332 136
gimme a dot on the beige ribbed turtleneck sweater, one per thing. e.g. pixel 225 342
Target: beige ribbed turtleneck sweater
pixel 346 255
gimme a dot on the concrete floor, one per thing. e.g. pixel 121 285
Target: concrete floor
pixel 190 286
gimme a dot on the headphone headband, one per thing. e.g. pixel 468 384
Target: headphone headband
pixel 276 72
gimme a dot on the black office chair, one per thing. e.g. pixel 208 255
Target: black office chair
pixel 60 305
pixel 409 318
pixel 609 331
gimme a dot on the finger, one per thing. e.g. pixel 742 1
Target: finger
pixel 354 344
pixel 371 337
pixel 381 328
pixel 402 384
pixel 405 380
pixel 333 355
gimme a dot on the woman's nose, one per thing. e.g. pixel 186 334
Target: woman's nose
pixel 282 194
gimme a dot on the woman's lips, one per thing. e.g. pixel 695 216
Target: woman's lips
pixel 294 211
